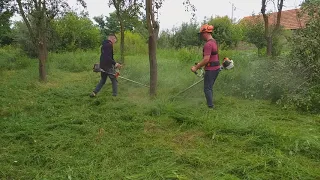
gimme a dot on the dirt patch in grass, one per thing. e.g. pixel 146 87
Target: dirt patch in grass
pixel 187 139
pixel 152 127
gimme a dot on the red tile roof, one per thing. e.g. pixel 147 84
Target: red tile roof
pixel 289 19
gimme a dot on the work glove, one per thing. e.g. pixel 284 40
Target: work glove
pixel 118 65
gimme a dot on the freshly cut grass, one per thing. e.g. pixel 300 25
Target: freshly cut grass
pixel 55 131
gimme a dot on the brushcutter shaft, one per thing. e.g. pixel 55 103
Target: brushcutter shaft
pixel 117 75
pixel 134 81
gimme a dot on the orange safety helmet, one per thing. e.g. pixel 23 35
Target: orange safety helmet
pixel 206 28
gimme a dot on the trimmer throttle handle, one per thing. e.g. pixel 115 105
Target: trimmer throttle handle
pixel 196 71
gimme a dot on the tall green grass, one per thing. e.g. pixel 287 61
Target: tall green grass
pixel 77 61
pixel 13 59
pixel 253 76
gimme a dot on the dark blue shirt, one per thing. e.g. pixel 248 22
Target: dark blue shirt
pixel 106 58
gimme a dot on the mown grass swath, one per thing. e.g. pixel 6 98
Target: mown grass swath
pixel 265 125
pixel 55 130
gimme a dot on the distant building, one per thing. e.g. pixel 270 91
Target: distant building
pixel 290 19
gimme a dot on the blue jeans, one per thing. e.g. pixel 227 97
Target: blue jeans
pixel 103 80
pixel 209 79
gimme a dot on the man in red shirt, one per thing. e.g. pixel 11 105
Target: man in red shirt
pixel 210 61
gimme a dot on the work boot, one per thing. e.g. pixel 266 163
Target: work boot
pixel 93 94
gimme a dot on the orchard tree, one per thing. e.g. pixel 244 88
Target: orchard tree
pixel 254 32
pixel 5 14
pixel 305 43
pixel 185 35
pixel 269 33
pixel 75 32
pixel 153 31
pixel 152 7
pixel 126 11
pixel 110 24
pixel 37 14
pixel 225 32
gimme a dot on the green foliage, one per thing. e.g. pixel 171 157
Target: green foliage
pixel 190 55
pixel 142 28
pixel 225 32
pixel 135 44
pixel 305 57
pixel 13 59
pixel 164 41
pixel 280 42
pixel 271 79
pixel 22 37
pixel 110 24
pixel 67 33
pixel 305 43
pixel 186 36
pixel 74 32
pixel 254 33
pixel 5 30
pixel 6 12
pixel 77 61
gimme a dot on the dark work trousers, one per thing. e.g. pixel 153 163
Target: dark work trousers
pixel 103 80
pixel 209 79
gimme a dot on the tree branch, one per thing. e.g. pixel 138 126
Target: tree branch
pixel 83 3
pixel 153 20
pixel 33 37
pixel 148 16
pixel 35 4
pixel 280 5
pixel 265 17
pixel 39 3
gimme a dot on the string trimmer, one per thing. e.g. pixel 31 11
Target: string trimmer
pixel 199 74
pixel 96 68
pixel 226 65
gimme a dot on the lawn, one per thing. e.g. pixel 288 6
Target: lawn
pixel 54 130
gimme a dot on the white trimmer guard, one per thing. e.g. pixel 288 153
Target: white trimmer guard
pixel 231 65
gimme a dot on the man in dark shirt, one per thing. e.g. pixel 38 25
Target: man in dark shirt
pixel 108 64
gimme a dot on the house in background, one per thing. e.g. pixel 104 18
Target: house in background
pixel 290 19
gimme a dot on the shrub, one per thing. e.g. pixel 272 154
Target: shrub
pixel 305 58
pixel 77 61
pixel 134 44
pixel 13 59
pixel 68 33
pixel 225 32
pixel 254 33
pixel 190 55
pixel 74 32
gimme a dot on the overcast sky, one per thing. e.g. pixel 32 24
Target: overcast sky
pixel 173 12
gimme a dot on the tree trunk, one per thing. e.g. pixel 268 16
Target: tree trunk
pixel 152 46
pixel 153 65
pixel 122 42
pixel 42 50
pixel 42 44
pixel 269 46
pixel 267 35
pixel 280 5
